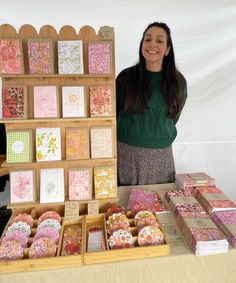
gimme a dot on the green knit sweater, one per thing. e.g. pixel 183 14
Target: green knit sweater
pixel 152 129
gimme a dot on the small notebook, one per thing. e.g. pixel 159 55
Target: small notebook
pixel 70 57
pixel 19 146
pixel 40 55
pixel 22 186
pixel 14 102
pixel 11 56
pixel 52 185
pixel 45 102
pixel 73 101
pixel 48 144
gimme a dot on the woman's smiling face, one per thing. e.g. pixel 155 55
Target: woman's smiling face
pixel 154 48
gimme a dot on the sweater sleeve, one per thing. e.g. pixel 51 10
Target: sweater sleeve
pixel 183 96
pixel 118 95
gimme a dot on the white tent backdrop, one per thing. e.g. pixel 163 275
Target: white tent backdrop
pixel 204 38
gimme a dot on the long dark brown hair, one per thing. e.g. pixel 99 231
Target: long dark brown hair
pixel 139 87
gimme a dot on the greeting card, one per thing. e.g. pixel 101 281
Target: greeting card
pixel 48 144
pixel 80 183
pixel 70 57
pixel 100 57
pixel 11 56
pixel 14 102
pixel 100 101
pixel 19 146
pixel 77 143
pixel 52 185
pixel 22 186
pixel 101 142
pixel 40 55
pixel 45 102
pixel 73 101
pixel 105 182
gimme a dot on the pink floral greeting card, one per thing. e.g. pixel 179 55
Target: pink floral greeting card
pixel 102 142
pixel 11 56
pixel 22 186
pixel 77 143
pixel 99 57
pixel 80 183
pixel 101 101
pixel 40 55
pixel 45 102
pixel 14 102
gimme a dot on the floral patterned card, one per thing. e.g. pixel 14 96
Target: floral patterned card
pixel 48 144
pixel 40 55
pixel 22 186
pixel 102 142
pixel 52 185
pixel 19 146
pixel 70 57
pixel 77 143
pixel 11 57
pixel 73 101
pixel 99 57
pixel 105 182
pixel 101 101
pixel 45 102
pixel 80 183
pixel 14 102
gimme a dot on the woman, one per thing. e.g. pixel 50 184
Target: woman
pixel 150 98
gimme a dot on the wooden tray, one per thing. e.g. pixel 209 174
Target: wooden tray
pixel 120 254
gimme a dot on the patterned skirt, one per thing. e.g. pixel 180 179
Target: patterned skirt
pixel 144 166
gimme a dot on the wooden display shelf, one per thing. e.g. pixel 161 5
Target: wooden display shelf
pixel 120 254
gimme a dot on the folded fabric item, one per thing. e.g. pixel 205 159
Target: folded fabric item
pixel 191 180
pixel 202 234
pixel 138 195
pixel 213 199
pixel 226 221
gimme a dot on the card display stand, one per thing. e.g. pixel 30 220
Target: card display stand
pixel 67 33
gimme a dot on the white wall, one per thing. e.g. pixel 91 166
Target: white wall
pixel 203 33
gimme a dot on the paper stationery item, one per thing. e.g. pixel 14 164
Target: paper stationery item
pixel 139 195
pixel 105 182
pixel 48 144
pixel 72 240
pixel 80 183
pixel 96 239
pixel 22 186
pixel 191 180
pixel 73 101
pixel 102 142
pixel 45 102
pixel 100 57
pixel 226 221
pixel 70 57
pixel 52 185
pixel 14 102
pixel 202 234
pixel 19 146
pixel 213 199
pixel 11 57
pixel 101 101
pixel 40 55
pixel 77 143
